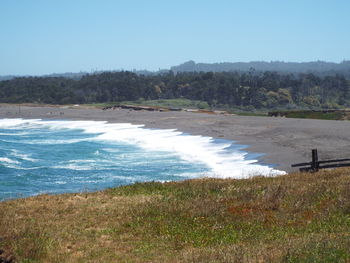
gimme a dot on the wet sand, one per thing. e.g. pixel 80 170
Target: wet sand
pixel 283 141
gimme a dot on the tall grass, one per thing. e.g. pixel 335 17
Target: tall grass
pixel 292 218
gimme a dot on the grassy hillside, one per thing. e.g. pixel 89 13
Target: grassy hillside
pixel 292 218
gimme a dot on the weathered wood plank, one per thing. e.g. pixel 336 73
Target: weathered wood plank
pixel 315 164
pixel 335 165
pixel 301 164
pixel 334 161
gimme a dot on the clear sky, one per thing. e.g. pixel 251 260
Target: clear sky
pixel 45 36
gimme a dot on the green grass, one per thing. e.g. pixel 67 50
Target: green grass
pixel 247 113
pixel 336 115
pixel 168 103
pixel 292 218
pixel 181 103
pixel 316 115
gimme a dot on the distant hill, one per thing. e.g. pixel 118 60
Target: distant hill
pixel 320 68
pixel 7 77
pixel 68 75
pixel 278 66
pixel 79 75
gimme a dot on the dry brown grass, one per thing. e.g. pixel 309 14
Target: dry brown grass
pixel 292 218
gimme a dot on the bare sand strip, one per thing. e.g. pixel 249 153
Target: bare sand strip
pixel 283 141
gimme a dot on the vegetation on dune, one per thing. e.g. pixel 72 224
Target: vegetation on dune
pixel 322 115
pixel 168 103
pixel 221 90
pixel 292 218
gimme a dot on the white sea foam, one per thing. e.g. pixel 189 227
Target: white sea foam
pixel 8 160
pixel 14 134
pixel 60 182
pixel 29 168
pixel 223 162
pixel 50 142
pixel 84 161
pixel 22 156
pixel 74 167
pixel 46 141
pixel 14 123
pixel 85 165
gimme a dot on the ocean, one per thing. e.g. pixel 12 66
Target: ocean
pixel 62 156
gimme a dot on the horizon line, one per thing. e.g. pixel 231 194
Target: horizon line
pixel 92 71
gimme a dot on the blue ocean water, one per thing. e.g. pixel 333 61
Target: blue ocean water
pixel 39 156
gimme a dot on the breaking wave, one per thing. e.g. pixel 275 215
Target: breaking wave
pixel 102 154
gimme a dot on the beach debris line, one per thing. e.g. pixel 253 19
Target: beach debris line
pixel 138 108
pixel 316 165
pixel 161 109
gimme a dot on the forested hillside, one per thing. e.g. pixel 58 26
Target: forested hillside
pixel 320 68
pixel 225 89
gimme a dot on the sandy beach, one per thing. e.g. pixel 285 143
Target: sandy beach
pixel 282 141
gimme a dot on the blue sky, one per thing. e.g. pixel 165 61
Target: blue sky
pixel 45 36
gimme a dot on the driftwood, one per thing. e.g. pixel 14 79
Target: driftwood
pixel 139 108
pixel 155 108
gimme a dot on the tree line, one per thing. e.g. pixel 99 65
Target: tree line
pixel 319 68
pixel 249 90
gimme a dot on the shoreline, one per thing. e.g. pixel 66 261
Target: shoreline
pixel 282 141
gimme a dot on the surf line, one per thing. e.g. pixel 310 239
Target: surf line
pixel 222 157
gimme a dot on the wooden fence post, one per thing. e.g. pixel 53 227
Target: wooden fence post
pixel 316 165
pixel 314 162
